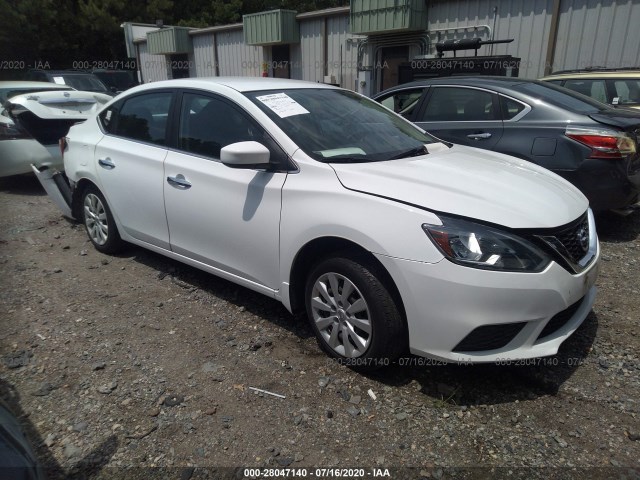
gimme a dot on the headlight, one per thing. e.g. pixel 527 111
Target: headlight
pixel 475 245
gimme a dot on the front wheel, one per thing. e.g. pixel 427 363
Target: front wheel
pixel 352 313
pixel 98 222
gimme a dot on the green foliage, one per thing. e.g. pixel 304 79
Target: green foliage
pixel 62 32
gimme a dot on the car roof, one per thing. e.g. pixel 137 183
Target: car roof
pixel 594 74
pixel 241 84
pixel 29 84
pixel 467 80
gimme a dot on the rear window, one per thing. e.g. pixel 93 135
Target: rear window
pixel 561 97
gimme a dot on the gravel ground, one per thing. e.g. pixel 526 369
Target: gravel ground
pixel 120 362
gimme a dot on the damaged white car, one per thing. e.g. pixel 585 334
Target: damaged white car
pixel 33 117
pixel 388 238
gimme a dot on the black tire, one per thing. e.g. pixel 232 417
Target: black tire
pixel 98 221
pixel 356 348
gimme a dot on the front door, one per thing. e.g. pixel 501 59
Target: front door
pixel 225 217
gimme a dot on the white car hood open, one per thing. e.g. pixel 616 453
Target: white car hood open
pixel 58 105
pixel 473 183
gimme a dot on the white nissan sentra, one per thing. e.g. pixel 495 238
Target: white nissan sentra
pixel 388 238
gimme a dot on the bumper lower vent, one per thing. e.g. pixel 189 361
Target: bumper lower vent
pixel 559 320
pixel 489 337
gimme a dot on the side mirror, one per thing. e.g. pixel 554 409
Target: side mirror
pixel 245 155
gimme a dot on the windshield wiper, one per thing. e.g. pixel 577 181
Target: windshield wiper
pixel 414 152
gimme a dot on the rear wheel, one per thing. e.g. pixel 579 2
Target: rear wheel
pixel 352 313
pixel 98 222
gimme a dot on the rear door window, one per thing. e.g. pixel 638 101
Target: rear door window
pixel 143 118
pixel 455 104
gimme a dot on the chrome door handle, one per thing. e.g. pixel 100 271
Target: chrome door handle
pixel 479 136
pixel 106 163
pixel 179 182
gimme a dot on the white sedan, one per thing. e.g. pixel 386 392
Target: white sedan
pixel 388 238
pixel 33 117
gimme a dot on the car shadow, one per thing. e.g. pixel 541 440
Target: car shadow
pixel 453 384
pixel 22 185
pixel 491 384
pixel 193 279
pixel 87 467
pixel 617 228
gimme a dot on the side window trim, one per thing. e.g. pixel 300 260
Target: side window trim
pixel 433 88
pixel 120 103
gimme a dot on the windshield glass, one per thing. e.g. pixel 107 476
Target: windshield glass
pixel 561 97
pixel 120 80
pixel 339 126
pixel 83 82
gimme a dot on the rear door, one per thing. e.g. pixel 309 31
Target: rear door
pixel 130 163
pixel 460 114
pixel 228 218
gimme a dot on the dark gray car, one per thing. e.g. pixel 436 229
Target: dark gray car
pixel 590 144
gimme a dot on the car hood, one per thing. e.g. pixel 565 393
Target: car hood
pixel 58 105
pixel 473 183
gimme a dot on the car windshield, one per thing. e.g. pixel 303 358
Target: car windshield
pixel 561 97
pixel 6 93
pixel 83 82
pixel 120 80
pixel 333 125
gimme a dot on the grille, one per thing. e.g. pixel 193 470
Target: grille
pixel 489 337
pixel 576 239
pixel 559 320
pixel 570 244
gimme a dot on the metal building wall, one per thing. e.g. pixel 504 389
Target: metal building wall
pixel 295 55
pixel 204 55
pixel 338 37
pixel 528 22
pixel 152 67
pixel 235 58
pixel 310 51
pixel 598 33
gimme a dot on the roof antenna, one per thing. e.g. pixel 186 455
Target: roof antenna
pixel 493 31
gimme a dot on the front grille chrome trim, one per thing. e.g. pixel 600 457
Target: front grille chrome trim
pixel 561 248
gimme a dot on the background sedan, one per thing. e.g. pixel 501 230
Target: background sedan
pixel 588 143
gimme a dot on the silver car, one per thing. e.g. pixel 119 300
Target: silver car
pixel 33 117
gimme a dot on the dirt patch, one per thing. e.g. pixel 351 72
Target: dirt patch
pixel 138 361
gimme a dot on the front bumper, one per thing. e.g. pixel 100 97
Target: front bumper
pixel 445 303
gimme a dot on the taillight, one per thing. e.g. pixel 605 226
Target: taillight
pixel 62 143
pixel 11 131
pixel 603 143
